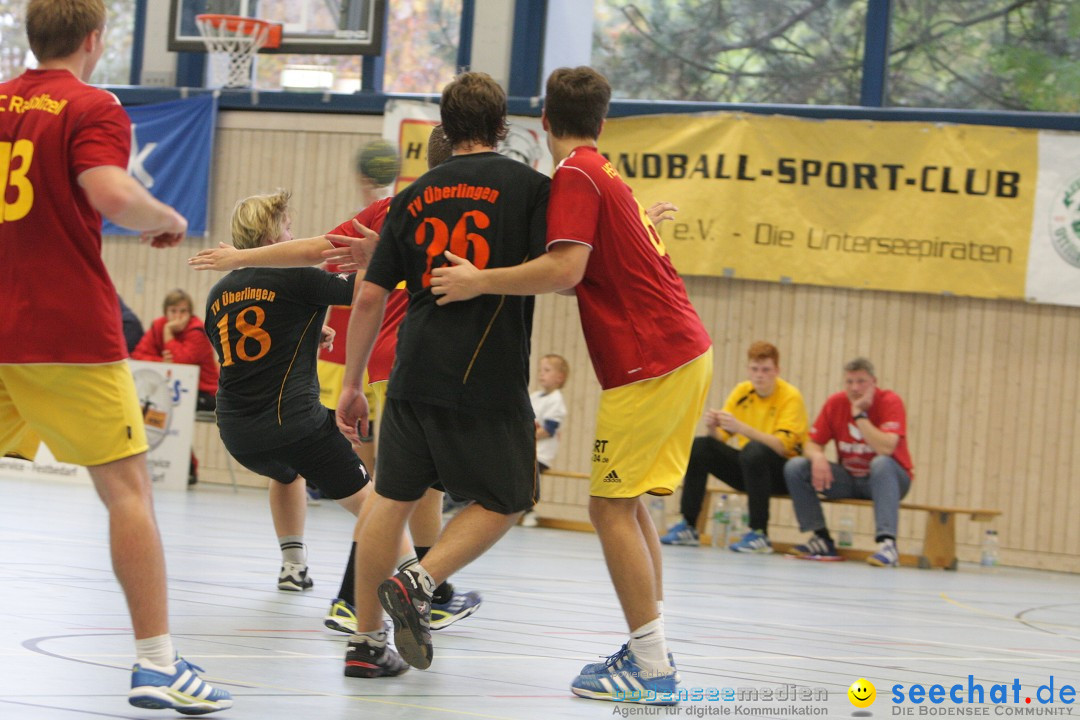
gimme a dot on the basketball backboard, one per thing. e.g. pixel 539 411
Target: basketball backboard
pixel 324 27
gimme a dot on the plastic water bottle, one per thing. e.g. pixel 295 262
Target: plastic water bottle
pixel 989 557
pixel 846 529
pixel 656 510
pixel 721 518
pixel 738 521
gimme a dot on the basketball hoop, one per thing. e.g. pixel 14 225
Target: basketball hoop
pixel 231 42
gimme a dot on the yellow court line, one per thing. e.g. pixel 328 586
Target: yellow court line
pixel 1010 618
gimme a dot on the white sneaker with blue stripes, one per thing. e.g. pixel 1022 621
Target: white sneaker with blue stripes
pixel 176 688
pixel 621 679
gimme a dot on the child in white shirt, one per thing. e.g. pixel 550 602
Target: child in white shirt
pixel 550 410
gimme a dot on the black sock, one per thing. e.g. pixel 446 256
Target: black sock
pixel 883 538
pixel 443 594
pixel 346 592
pixel 823 533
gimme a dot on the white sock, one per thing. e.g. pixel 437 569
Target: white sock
pixel 650 648
pixel 660 608
pixel 406 562
pixel 157 651
pixel 426 580
pixel 293 549
pixel 375 638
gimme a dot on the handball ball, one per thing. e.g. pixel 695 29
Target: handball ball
pixel 378 161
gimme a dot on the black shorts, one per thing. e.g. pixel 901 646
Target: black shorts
pixel 324 458
pixel 485 456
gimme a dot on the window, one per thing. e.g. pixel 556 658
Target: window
pixel 986 54
pixel 749 51
pixel 114 68
pixel 420 52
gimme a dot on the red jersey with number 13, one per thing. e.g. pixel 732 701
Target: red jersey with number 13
pixel 57 302
pixel 636 316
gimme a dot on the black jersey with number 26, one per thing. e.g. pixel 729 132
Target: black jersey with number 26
pixel 265 325
pixel 491 210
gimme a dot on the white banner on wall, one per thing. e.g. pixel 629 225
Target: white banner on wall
pixel 1053 272
pixel 167 394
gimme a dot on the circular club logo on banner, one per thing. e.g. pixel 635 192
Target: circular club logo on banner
pixel 1065 222
pixel 156 401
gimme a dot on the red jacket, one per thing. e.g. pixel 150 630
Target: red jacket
pixel 190 346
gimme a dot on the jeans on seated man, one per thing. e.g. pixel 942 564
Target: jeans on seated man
pixel 869 427
pixel 767 417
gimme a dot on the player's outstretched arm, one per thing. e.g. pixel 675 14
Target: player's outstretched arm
pixel 295 253
pixel 352 253
pixel 561 267
pixel 121 199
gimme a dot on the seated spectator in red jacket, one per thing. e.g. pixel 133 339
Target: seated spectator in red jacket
pixel 180 337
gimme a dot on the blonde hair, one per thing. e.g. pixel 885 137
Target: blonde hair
pixel 560 364
pixel 56 28
pixel 177 297
pixel 258 219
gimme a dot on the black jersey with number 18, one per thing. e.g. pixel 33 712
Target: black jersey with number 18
pixel 265 325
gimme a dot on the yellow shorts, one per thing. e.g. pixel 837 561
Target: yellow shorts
pixel 644 432
pixel 377 398
pixel 86 414
pixel 331 375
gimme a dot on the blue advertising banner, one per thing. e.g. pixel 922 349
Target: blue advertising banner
pixel 171 146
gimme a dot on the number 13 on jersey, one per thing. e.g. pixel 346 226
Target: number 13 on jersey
pixel 15 159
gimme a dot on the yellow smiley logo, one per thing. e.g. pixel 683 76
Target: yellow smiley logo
pixel 862 693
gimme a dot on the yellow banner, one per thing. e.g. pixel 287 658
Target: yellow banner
pixel 910 207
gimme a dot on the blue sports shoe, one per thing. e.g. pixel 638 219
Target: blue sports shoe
pixel 182 690
pixel 341 617
pixel 621 679
pixel 592 668
pixel 681 534
pixel 752 542
pixel 460 606
pixel 886 556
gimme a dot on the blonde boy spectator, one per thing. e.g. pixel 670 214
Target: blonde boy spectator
pixel 550 410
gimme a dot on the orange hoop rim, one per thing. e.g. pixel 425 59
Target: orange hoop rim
pixel 253 27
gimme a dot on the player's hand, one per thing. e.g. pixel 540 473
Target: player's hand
pixel 352 414
pixel 222 259
pixel 326 337
pixel 162 240
pixel 821 474
pixel 169 234
pixel 355 252
pixel 460 280
pixel 661 211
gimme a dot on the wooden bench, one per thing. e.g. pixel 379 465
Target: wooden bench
pixel 939 543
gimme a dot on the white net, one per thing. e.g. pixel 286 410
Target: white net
pixel 231 43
